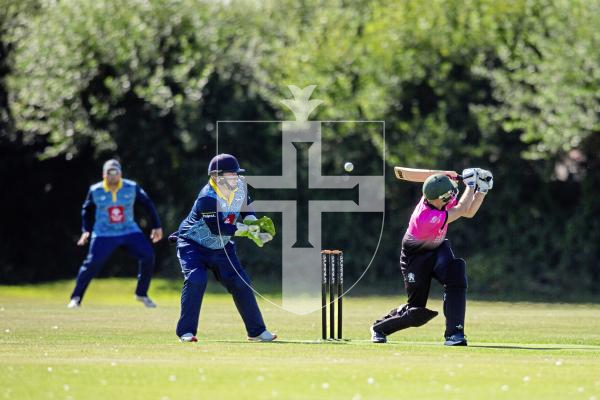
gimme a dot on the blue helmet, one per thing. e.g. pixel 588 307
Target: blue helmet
pixel 224 163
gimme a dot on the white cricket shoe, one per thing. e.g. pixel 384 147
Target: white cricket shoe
pixel 75 302
pixel 266 336
pixel 188 337
pixel 146 300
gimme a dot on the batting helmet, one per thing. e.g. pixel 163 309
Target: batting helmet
pixel 224 163
pixel 437 186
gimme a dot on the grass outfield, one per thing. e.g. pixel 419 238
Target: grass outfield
pixel 113 348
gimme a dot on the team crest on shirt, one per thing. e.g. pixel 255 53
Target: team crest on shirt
pixel 230 219
pixel 435 219
pixel 116 214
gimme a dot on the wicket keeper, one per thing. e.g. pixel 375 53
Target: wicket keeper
pixel 426 254
pixel 204 243
pixel 107 217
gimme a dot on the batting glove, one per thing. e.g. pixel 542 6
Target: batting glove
pixel 470 177
pixel 485 181
pixel 483 173
pixel 485 186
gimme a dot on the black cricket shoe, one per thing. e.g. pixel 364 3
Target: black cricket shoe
pixel 457 339
pixel 377 337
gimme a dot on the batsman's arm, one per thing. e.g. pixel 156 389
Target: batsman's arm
pixel 463 207
pixel 420 175
pixel 477 201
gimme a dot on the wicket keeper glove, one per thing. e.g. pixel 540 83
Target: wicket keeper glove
pixel 265 224
pixel 265 237
pixel 241 228
pixel 470 176
pixel 257 237
pixel 260 231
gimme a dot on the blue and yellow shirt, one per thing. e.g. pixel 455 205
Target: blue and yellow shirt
pixel 211 222
pixel 113 215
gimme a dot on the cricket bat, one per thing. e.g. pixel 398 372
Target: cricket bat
pixel 420 175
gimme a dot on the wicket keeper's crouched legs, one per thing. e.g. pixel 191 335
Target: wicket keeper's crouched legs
pixel 195 263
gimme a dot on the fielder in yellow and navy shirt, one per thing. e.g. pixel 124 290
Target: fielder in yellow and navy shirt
pixel 108 219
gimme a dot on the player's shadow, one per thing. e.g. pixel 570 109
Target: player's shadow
pixel 288 342
pixel 530 348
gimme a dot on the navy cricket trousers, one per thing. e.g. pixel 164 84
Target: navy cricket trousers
pixel 195 262
pixel 441 264
pixel 101 248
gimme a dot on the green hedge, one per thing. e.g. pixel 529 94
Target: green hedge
pixel 511 86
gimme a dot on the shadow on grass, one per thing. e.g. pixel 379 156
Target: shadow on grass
pixel 390 345
pixel 280 342
pixel 512 347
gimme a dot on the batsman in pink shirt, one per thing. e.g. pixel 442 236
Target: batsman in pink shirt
pixel 426 254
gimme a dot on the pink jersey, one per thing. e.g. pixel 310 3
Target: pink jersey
pixel 427 227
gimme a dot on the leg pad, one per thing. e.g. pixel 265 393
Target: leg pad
pixel 404 317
